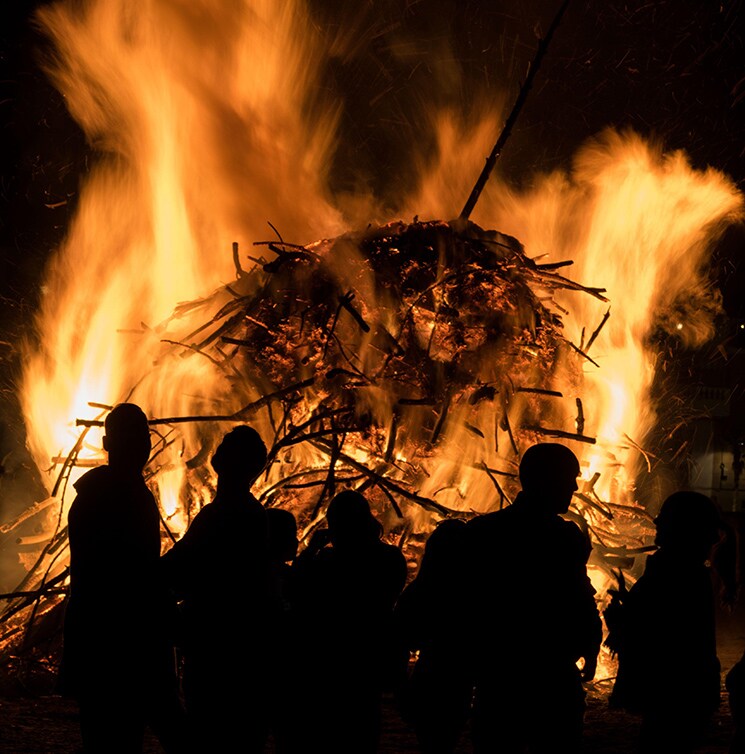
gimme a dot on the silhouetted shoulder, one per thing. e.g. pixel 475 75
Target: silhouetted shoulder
pixel 575 540
pixel 121 507
pixel 485 522
pixel 93 480
pixel 484 528
pixel 88 488
pixel 395 564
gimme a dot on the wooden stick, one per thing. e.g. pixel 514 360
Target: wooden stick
pixel 491 160
pixel 560 433
pixel 239 271
pixel 597 330
pixel 582 353
pixel 539 391
pixel 502 494
pixel 346 302
pixel 580 417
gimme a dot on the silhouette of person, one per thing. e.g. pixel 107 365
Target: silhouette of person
pixel 219 572
pixel 118 657
pixel 429 619
pixel 735 683
pixel 534 613
pixel 348 591
pixel 668 670
pixel 282 548
pixel 284 699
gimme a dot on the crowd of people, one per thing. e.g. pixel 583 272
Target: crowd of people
pixel 496 633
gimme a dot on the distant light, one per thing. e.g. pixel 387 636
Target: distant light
pixel 742 327
pixel 679 326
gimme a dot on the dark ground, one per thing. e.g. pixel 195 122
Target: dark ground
pixel 47 724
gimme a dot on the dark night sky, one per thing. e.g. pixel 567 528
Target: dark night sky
pixel 671 69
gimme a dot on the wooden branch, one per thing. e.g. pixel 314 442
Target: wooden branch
pixel 474 429
pixel 240 415
pixel 539 391
pixel 379 479
pixel 646 454
pixel 597 330
pixel 559 433
pixel 502 494
pixel 34 593
pixel 441 419
pixel 594 505
pixel 555 280
pixel 580 417
pixel 346 302
pixel 239 271
pixel 25 515
pixel 582 353
pixel 555 265
pixel 491 160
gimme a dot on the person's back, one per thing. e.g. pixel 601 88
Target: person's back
pixel 219 571
pixel 282 647
pixel 531 585
pixel 349 593
pixel 118 659
pixel 533 613
pixel 428 619
pixel 665 633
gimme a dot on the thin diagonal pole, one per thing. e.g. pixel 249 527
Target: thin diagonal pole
pixel 491 160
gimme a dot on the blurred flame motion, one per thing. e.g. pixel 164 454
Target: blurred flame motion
pixel 209 120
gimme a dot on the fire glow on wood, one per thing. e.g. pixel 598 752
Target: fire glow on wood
pixel 413 361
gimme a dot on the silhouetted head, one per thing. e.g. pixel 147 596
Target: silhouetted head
pixel 548 475
pixel 127 438
pixel 445 550
pixel 350 520
pixel 688 523
pixel 282 528
pixel 240 457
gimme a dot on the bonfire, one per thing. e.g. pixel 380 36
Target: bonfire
pixel 413 361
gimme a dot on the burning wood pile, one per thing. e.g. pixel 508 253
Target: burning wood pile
pixel 413 362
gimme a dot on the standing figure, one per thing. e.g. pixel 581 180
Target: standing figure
pixel 283 646
pixel 347 592
pixel 533 613
pixel 118 660
pixel 664 630
pixel 429 619
pixel 219 571
pixel 735 683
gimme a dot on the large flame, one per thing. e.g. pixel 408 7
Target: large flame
pixel 198 112
pixel 209 123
